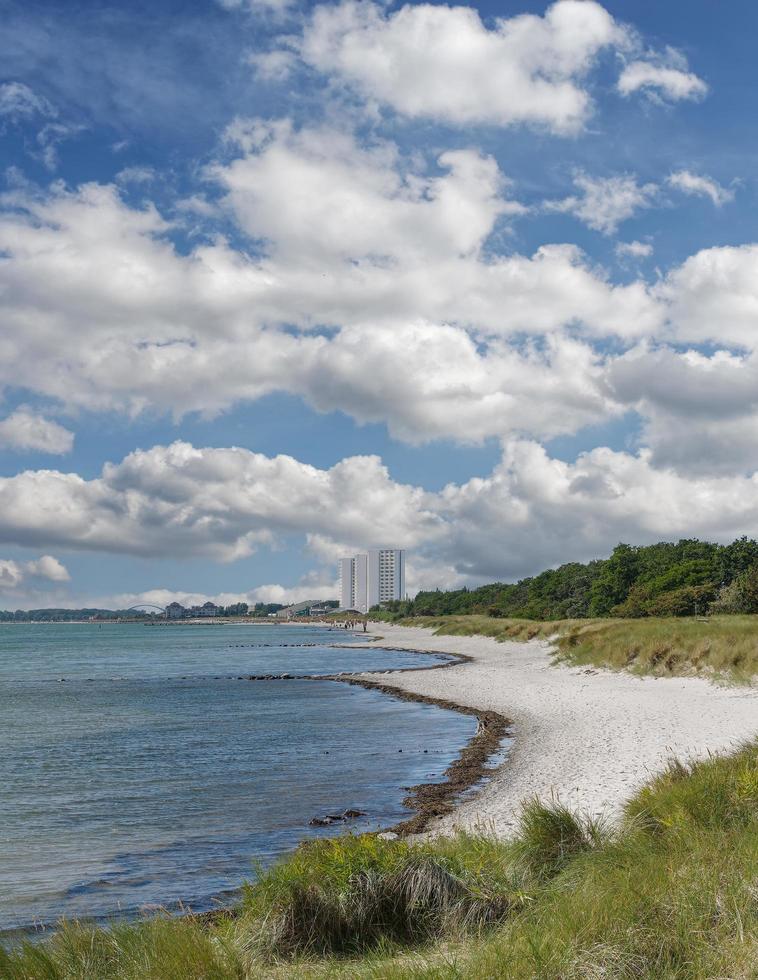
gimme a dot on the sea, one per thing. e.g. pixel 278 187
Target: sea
pixel 141 769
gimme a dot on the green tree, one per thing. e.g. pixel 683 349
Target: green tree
pixel 736 558
pixel 614 580
pixel 748 585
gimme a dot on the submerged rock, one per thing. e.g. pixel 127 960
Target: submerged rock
pixel 331 818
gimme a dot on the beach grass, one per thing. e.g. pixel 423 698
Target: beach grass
pixel 670 893
pixel 725 646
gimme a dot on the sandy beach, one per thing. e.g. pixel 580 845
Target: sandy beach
pixel 588 737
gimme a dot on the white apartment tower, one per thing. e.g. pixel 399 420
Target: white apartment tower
pixel 354 583
pixel 368 579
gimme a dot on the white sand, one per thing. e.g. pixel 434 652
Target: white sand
pixel 588 737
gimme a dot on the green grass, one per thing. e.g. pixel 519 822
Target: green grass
pixel 671 893
pixel 721 645
pixel 726 646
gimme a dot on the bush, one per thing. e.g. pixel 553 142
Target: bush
pixel 729 600
pixel 687 601
pixel 351 894
pixel 550 836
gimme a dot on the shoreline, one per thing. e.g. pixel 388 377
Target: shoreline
pixel 465 772
pixel 426 801
pixel 588 737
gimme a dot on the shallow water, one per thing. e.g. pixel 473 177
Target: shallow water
pixel 137 770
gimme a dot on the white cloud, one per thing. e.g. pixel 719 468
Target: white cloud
pixel 713 296
pixel 273 66
pixel 221 503
pixel 530 512
pixel 49 138
pixel 442 63
pixel 256 6
pixel 313 587
pixel 145 327
pixel 426 330
pixel 18 101
pixel 11 575
pixel 534 511
pixel 316 192
pixel 372 292
pixel 700 185
pixel 48 568
pixel 605 202
pixel 662 77
pixel 25 430
pixel 136 175
pixel 700 412
pixel 14 574
pixel 634 250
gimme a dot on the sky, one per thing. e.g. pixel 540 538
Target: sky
pixel 283 281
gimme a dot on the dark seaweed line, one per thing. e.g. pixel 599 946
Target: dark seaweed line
pixel 431 800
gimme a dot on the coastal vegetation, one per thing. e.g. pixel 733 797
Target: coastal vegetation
pixel 669 893
pixel 666 609
pixel 723 645
pixel 683 578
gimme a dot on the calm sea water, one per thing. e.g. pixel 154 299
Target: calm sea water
pixel 137 770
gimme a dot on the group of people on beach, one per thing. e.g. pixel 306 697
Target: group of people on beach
pixel 351 624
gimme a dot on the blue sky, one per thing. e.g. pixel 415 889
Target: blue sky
pixel 284 280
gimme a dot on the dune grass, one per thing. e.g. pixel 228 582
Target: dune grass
pixel 671 893
pixel 724 646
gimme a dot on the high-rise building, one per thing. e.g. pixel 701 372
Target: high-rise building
pixel 368 579
pixel 347 583
pixel 386 575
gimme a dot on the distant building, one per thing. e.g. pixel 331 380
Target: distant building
pixel 174 610
pixel 310 607
pixel 354 582
pixel 347 583
pixel 367 580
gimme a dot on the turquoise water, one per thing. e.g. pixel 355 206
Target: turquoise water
pixel 138 770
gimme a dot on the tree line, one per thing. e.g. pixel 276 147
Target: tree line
pixel 683 578
pixel 69 615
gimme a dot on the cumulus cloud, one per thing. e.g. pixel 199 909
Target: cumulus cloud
pixel 14 574
pixel 26 430
pixel 700 411
pixel 604 202
pixel 146 327
pixel 438 62
pixel 48 568
pixel 317 192
pixel 102 312
pixel 661 77
pixel 713 296
pixel 532 511
pixel 700 185
pixel 221 503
